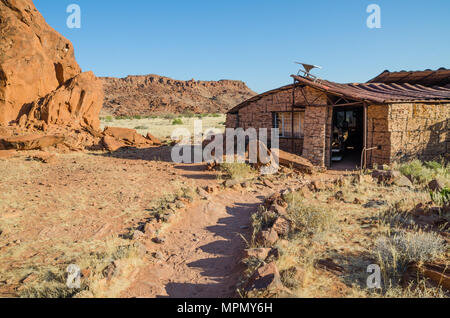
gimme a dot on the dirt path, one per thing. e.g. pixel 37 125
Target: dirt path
pixel 202 253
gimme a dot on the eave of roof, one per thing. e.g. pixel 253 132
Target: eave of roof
pixel 440 77
pixel 380 92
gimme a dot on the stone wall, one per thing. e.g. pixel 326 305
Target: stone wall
pixel 408 131
pixel 378 135
pixel 258 114
pixel 419 131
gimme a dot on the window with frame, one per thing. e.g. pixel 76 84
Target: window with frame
pixel 283 121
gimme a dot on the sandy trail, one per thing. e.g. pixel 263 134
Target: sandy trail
pixel 203 249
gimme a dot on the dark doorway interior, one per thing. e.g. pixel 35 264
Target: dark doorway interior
pixel 347 137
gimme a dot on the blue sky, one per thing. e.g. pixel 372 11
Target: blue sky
pixel 256 41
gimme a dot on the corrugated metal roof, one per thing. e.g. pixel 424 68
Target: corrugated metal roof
pixel 383 93
pixel 380 92
pixel 440 77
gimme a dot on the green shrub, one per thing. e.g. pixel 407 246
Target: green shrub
pixel 424 172
pixel 442 197
pixel 177 121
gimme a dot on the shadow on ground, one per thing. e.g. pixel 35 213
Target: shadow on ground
pixel 224 266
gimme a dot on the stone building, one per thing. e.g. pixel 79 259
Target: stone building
pixel 394 117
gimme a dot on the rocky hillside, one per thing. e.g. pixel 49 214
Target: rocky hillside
pixel 154 94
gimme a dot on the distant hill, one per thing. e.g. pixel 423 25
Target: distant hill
pixel 154 94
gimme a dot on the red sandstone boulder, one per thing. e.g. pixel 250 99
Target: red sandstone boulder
pixel 282 226
pixel 34 59
pixel 439 274
pixel 267 238
pixel 129 136
pixel 266 278
pixel 259 253
pixel 112 144
pixel 154 140
pixel 6 154
pixel 76 103
pixel 31 142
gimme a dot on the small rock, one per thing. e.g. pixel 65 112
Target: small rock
pixel 267 238
pixel 357 201
pixel 266 277
pixel 268 183
pixel 245 184
pixel 259 253
pixel 403 181
pixel 278 209
pixel 202 193
pixel 317 186
pixel 436 185
pixel 29 278
pixel 157 255
pixel 209 189
pixel 231 183
pixel 159 240
pixel 282 226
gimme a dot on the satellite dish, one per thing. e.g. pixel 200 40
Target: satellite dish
pixel 307 68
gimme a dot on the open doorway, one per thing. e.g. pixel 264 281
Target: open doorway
pixel 347 137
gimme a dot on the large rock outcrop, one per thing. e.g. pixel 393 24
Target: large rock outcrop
pixel 76 103
pixel 154 94
pixel 39 73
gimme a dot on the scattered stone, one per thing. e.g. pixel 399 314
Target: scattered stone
pixel 357 201
pixel 282 226
pixel 29 278
pixel 246 184
pixel 266 278
pixel 159 240
pixel 259 253
pixel 385 176
pixel 329 265
pixel 402 181
pixel 202 193
pixel 268 183
pixel 209 189
pixel 375 204
pixel 278 209
pixel 112 144
pixel 274 254
pixel 267 238
pixel 157 255
pixel 439 274
pixel 436 185
pixel 317 186
pixel 231 183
